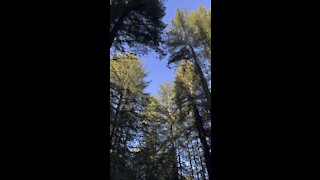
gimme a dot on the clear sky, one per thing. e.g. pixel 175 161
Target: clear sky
pixel 158 71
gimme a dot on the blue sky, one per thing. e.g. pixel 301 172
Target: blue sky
pixel 157 70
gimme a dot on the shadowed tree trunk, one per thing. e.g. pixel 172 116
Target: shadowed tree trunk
pixel 195 161
pixel 190 160
pixel 203 81
pixel 180 166
pixel 201 162
pixel 115 121
pixel 115 118
pixel 117 25
pixel 200 129
pixel 175 167
pixel 205 146
pixel 198 121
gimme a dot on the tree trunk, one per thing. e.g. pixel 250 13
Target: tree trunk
pixel 155 140
pixel 116 117
pixel 174 163
pixel 202 167
pixel 127 9
pixel 117 26
pixel 195 161
pixel 201 133
pixel 204 83
pixel 115 142
pixel 189 155
pixel 180 166
pixel 115 29
pixel 198 68
pixel 175 166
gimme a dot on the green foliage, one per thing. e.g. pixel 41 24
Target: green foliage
pixel 127 74
pixel 136 24
pixel 188 39
pixel 163 125
pixel 156 137
pixel 127 101
pixel 200 24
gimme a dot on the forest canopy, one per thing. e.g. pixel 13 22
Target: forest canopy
pixel 163 136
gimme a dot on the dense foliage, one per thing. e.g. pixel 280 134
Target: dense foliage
pixel 136 24
pixel 165 136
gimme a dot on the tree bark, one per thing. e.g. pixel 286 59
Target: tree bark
pixel 189 155
pixel 127 9
pixel 198 69
pixel 116 117
pixel 201 133
pixel 180 166
pixel 115 29
pixel 201 162
pixel 113 34
pixel 199 126
pixel 204 83
pixel 195 161
pixel 115 142
pixel 174 163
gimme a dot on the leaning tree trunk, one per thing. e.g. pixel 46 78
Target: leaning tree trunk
pixel 114 32
pixel 115 29
pixel 117 26
pixel 200 129
pixel 202 138
pixel 203 81
pixel 198 121
pixel 197 65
